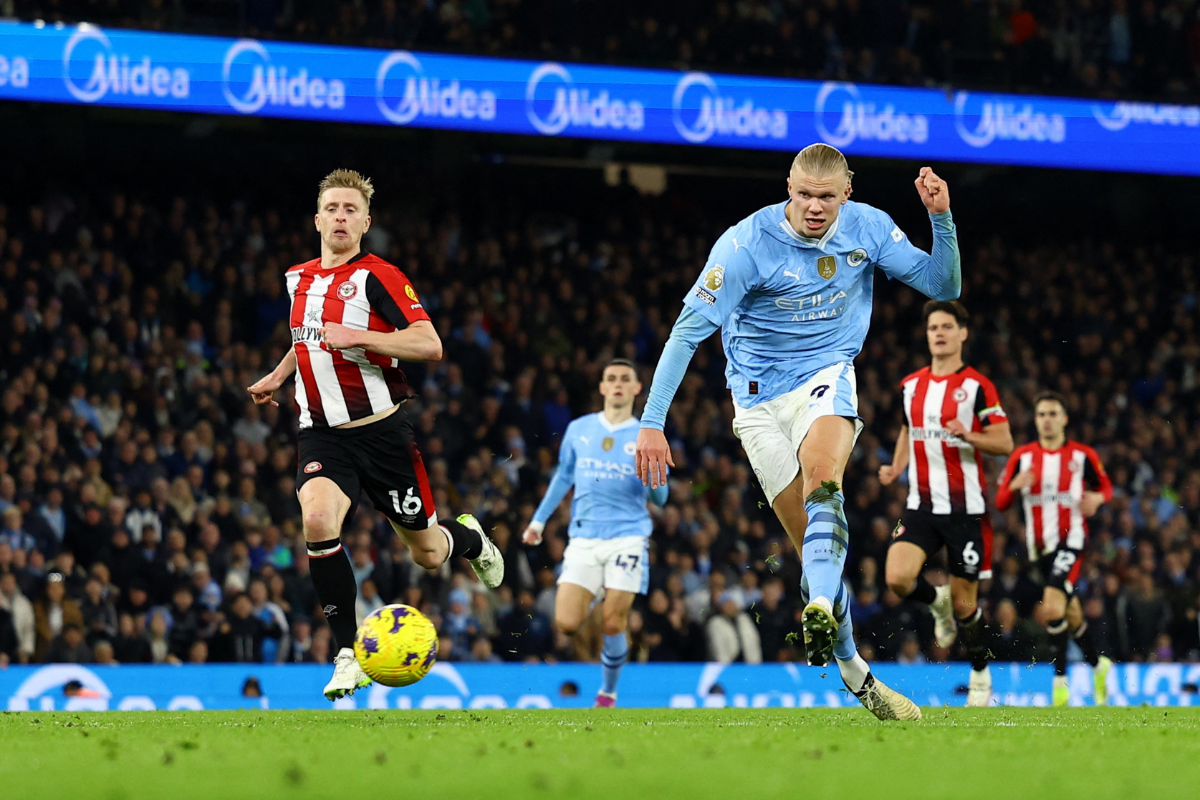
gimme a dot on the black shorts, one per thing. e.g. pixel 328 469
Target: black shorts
pixel 1061 569
pixel 966 537
pixel 381 459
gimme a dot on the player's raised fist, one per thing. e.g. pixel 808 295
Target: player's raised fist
pixel 935 192
pixel 888 474
pixel 338 337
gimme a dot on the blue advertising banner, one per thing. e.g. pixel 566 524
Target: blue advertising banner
pixel 452 685
pixel 88 65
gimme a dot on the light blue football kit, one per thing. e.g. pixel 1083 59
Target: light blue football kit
pixel 794 312
pixel 610 524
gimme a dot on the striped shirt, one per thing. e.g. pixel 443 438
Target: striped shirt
pixel 945 473
pixel 334 387
pixel 1051 504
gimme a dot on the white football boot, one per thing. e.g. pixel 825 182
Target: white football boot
pixel 490 564
pixel 348 676
pixel 979 689
pixel 886 703
pixel 820 631
pixel 945 627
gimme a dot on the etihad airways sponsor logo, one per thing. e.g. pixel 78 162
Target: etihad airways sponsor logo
pixel 1122 115
pixel 92 70
pixel 553 103
pixel 249 81
pixel 842 117
pixel 999 119
pixel 700 111
pixel 404 92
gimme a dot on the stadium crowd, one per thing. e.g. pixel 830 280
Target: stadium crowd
pixel 1107 48
pixel 147 507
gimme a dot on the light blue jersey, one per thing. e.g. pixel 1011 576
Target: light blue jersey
pixel 596 458
pixel 789 306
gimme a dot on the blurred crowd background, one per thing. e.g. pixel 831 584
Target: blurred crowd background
pixel 1108 48
pixel 147 508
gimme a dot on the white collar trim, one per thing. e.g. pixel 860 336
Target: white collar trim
pixel 608 426
pixel 805 240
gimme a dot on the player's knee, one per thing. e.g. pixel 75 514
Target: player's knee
pixel 569 627
pixel 320 526
pixel 615 624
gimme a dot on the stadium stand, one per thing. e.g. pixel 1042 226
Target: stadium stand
pixel 1148 49
pixel 147 510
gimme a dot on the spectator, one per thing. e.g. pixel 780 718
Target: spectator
pixel 130 646
pixel 274 646
pixel 524 632
pixel 240 635
pixel 732 635
pixel 69 647
pixel 53 612
pixel 22 617
pixel 99 615
pixel 1010 640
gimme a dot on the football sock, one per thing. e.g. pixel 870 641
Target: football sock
pixel 825 541
pixel 1087 645
pixel 854 672
pixel 1057 628
pixel 923 591
pixel 333 578
pixel 612 658
pixel 972 632
pixel 463 541
pixel 844 649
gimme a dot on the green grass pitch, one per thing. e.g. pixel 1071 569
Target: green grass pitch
pixel 998 753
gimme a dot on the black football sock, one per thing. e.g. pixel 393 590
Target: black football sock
pixel 923 591
pixel 1057 628
pixel 333 577
pixel 1083 637
pixel 972 632
pixel 463 541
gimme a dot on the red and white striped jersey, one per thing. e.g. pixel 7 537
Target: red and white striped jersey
pixel 1060 477
pixel 945 474
pixel 334 387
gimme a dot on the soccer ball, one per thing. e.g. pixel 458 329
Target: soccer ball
pixel 396 645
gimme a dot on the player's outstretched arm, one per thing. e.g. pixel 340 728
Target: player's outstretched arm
pixel 937 275
pixel 418 342
pixel 262 391
pixel 653 453
pixel 995 439
pixel 1008 485
pixel 560 484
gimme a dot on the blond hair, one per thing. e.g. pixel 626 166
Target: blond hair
pixel 821 160
pixel 347 179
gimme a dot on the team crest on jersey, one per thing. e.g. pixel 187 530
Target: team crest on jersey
pixel 856 257
pixel 347 290
pixel 312 466
pixel 630 448
pixel 960 394
pixel 826 267
pixel 412 294
pixel 714 279
pixel 1074 465
pixel 608 443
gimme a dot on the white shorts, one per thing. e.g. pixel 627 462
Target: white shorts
pixel 597 564
pixel 771 432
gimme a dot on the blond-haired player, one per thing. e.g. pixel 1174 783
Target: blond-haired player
pixel 790 287
pixel 354 319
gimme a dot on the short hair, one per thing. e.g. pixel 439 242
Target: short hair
pixel 1050 396
pixel 347 179
pixel 951 307
pixel 821 159
pixel 621 362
